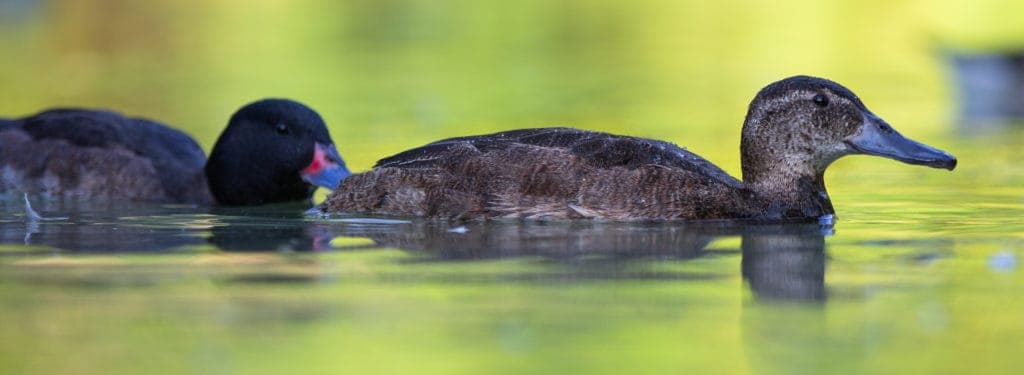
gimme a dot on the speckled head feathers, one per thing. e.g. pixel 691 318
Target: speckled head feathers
pixel 806 83
pixel 796 127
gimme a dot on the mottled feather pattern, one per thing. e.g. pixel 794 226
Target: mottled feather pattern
pixel 555 173
pixel 99 155
pixel 56 167
pixel 596 148
pixel 794 129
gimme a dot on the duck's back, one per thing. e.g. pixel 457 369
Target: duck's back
pixel 544 173
pixel 100 155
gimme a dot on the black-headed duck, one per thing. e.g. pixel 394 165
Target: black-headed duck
pixel 794 129
pixel 273 150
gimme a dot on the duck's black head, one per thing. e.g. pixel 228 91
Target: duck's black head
pixel 273 150
pixel 796 127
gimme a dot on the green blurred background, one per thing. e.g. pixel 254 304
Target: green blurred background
pixel 922 271
pixel 390 74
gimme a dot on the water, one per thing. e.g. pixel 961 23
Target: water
pixel 911 278
pixel 920 273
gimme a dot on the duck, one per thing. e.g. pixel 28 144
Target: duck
pixel 794 129
pixel 272 151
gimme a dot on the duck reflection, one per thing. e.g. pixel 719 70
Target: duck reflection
pixel 88 228
pixel 779 261
pixel 785 262
pixel 281 227
pixel 572 241
pixel 147 228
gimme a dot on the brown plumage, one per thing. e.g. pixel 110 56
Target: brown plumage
pixel 100 155
pixel 794 129
pixel 73 171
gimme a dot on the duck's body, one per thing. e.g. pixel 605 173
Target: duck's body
pixel 557 173
pixel 101 155
pixel 790 136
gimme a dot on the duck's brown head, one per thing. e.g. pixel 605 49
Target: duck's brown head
pixel 796 127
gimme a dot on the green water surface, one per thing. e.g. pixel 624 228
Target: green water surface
pixel 920 273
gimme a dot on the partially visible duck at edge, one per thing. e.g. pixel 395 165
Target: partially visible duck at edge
pixel 793 130
pixel 273 150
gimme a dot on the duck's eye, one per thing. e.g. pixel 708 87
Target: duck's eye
pixel 821 100
pixel 282 128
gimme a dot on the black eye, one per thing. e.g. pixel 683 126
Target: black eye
pixel 821 100
pixel 282 128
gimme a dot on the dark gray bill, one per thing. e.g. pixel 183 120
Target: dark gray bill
pixel 876 137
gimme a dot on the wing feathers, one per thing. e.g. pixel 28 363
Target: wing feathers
pixel 598 149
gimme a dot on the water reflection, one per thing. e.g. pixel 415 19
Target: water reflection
pixel 569 241
pixel 779 262
pixel 785 262
pixel 268 228
pixel 89 228
pixel 145 228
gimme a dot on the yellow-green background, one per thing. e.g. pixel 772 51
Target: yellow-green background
pixel 388 75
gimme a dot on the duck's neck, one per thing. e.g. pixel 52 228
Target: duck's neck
pixel 786 192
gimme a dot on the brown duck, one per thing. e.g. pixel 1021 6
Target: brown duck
pixel 794 129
